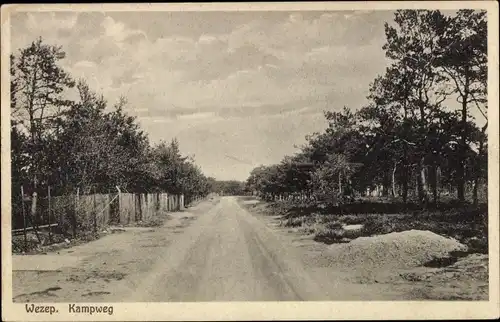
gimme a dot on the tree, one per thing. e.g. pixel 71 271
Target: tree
pixel 37 97
pixel 464 60
pixel 87 149
pixel 133 150
pixel 413 44
pixel 228 187
pixel 254 182
pixel 170 162
pixel 407 141
pixel 331 178
pixel 85 144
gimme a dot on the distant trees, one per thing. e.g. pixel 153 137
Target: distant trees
pixel 410 141
pixel 84 144
pixel 228 187
pixel 179 174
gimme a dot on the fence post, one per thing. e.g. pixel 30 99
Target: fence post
pixel 145 213
pixel 74 219
pixel 34 198
pixel 118 208
pixel 24 221
pixel 138 208
pixel 94 211
pixel 49 211
pixel 33 216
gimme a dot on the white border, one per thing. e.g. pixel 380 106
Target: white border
pixel 267 310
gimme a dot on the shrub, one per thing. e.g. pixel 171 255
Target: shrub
pixel 331 235
pixel 153 222
pixel 333 225
pixel 299 221
pixel 477 245
pixel 352 219
pixel 377 226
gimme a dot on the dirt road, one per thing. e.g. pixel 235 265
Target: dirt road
pixel 213 252
pixel 228 255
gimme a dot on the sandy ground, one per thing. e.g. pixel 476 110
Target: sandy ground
pixel 467 279
pixel 215 251
pixel 108 269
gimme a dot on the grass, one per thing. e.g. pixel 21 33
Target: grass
pixel 329 235
pixel 56 242
pixel 299 221
pixel 351 219
pixel 153 222
pixel 466 223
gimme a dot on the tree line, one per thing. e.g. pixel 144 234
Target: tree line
pixel 84 144
pixel 416 139
pixel 228 187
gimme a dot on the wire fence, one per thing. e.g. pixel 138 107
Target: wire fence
pixel 74 215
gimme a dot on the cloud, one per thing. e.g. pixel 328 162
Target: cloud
pixel 207 39
pixel 50 21
pixel 91 73
pixel 114 29
pixel 203 115
pixel 85 64
pixel 231 78
pixel 266 62
pixel 258 78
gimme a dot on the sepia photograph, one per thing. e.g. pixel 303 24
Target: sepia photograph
pixel 333 154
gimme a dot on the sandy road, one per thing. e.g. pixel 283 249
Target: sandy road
pixel 228 255
pixel 222 253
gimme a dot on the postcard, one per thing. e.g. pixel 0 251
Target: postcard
pixel 250 161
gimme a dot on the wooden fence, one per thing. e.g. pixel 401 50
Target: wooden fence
pixel 76 214
pixel 143 207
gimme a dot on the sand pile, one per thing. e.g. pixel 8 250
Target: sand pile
pixel 390 252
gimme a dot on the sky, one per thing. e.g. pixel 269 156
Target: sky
pixel 237 89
